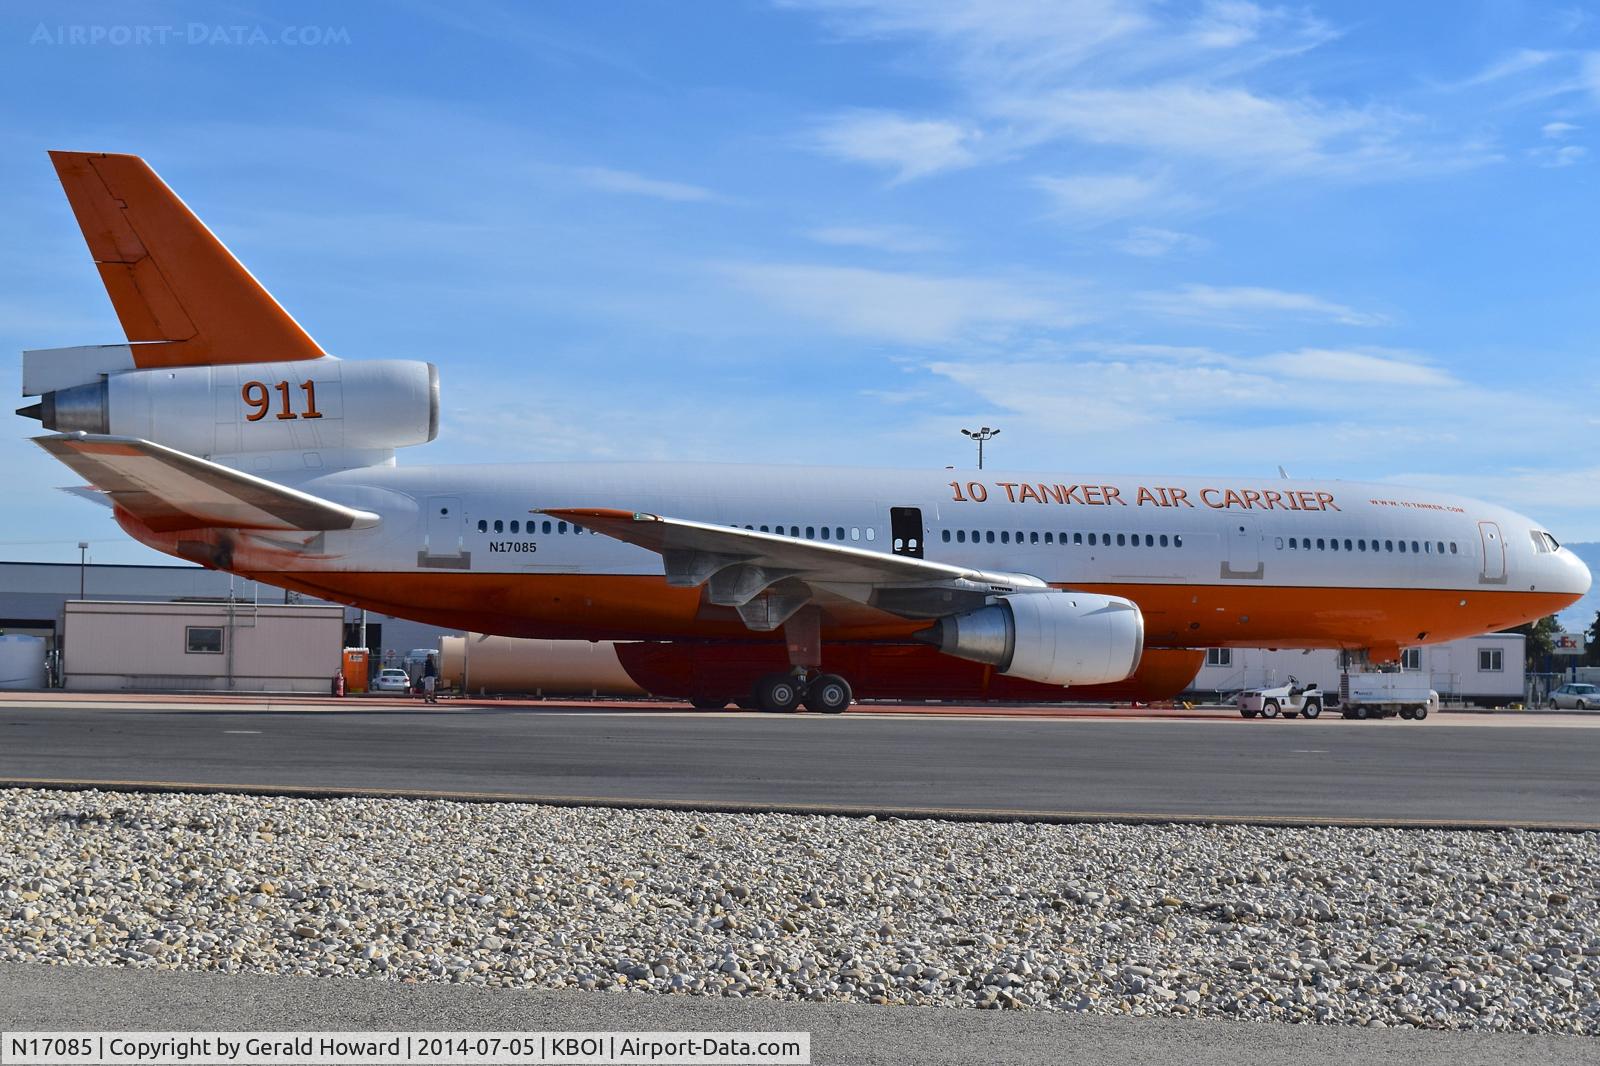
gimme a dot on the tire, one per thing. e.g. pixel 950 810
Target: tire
pixel 1405 712
pixel 1312 709
pixel 1361 712
pixel 778 693
pixel 707 703
pixel 1269 709
pixel 828 694
pixel 1246 714
pixel 1419 712
pixel 1291 714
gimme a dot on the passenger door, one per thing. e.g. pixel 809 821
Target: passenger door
pixel 905 531
pixel 443 523
pixel 1494 554
pixel 1243 549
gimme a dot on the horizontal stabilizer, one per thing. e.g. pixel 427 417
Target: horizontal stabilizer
pixel 169 490
pixel 174 285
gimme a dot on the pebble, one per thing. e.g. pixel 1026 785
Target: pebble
pixel 1491 931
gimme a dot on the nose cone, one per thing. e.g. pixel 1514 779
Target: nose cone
pixel 1574 577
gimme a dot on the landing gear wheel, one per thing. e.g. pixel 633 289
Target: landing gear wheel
pixel 1312 709
pixel 1419 712
pixel 778 693
pixel 1360 712
pixel 828 694
pixel 1269 709
pixel 707 703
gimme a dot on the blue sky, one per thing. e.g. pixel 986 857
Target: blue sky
pixel 1359 240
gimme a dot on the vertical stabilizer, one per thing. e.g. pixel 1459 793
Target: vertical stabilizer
pixel 177 290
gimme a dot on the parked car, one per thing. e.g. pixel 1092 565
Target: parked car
pixel 1576 696
pixel 392 680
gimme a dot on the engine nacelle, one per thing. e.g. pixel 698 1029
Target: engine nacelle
pixel 306 405
pixel 1058 638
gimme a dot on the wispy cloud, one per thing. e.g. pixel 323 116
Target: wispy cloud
pixel 907 308
pixel 1242 305
pixel 910 147
pixel 900 239
pixel 629 183
pixel 1097 198
pixel 1170 84
pixel 1565 156
pixel 1356 368
pixel 1152 242
pixel 1314 405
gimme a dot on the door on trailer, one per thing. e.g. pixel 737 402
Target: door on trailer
pixel 905 530
pixel 1494 553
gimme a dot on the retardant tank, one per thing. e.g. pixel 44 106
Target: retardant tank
pixel 481 664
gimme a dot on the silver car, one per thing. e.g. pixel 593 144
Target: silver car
pixel 1576 696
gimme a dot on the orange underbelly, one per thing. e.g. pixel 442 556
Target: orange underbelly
pixel 638 607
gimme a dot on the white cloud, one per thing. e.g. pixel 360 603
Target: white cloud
pixel 1095 198
pixel 1008 40
pixel 879 238
pixel 1199 410
pixel 1134 75
pixel 901 307
pixel 622 181
pixel 1227 24
pixel 1152 242
pixel 1565 156
pixel 1236 305
pixel 1558 131
pixel 912 148
pixel 1364 368
pixel 1519 62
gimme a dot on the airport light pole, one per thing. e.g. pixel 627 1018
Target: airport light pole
pixel 981 435
pixel 83 564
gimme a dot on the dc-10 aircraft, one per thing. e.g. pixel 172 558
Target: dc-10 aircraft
pixel 223 434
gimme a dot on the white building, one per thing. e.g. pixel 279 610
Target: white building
pixel 1487 670
pixel 221 647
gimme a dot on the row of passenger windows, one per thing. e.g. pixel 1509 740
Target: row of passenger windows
pixel 499 525
pixel 1361 544
pixel 1005 536
pixel 819 532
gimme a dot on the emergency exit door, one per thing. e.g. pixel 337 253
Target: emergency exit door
pixel 905 531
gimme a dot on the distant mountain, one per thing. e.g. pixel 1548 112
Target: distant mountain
pixel 1580 615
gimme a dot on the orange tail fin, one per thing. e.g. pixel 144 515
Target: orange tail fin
pixel 168 276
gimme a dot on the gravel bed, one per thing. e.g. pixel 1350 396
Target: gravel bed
pixel 1374 927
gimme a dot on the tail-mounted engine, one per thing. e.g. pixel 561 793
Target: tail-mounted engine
pixel 315 405
pixel 1059 638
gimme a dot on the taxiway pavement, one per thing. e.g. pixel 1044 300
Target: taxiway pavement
pixel 1454 771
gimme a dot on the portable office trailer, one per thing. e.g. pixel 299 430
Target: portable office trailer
pixel 1487 670
pixel 223 647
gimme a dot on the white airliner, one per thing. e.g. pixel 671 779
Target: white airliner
pixel 221 433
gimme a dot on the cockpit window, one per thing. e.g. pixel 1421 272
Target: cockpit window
pixel 1543 542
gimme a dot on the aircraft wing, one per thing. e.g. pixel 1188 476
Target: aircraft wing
pixel 167 489
pixel 768 576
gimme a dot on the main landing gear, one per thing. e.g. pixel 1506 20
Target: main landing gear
pixel 804 683
pixel 784 693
